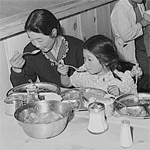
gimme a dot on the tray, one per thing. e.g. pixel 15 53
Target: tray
pixel 79 98
pixel 43 87
pixel 129 105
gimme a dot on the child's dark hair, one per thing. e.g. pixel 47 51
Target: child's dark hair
pixel 42 21
pixel 104 50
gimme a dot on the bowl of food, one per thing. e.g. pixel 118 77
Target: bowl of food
pixel 43 119
pixel 134 106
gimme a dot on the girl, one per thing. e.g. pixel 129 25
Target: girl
pixel 102 69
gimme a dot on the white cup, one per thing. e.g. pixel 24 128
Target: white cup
pixel 12 105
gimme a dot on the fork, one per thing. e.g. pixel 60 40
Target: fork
pixel 76 69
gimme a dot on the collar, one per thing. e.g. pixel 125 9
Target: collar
pixel 63 50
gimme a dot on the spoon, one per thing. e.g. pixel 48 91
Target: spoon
pixel 76 69
pixel 33 52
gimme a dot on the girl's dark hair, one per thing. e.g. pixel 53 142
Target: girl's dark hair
pixel 42 21
pixel 104 50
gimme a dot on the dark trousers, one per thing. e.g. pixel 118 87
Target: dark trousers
pixel 144 63
pixel 144 83
pixel 141 55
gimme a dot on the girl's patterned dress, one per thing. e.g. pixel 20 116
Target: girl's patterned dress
pixel 85 79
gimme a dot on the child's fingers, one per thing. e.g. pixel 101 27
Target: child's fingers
pixel 114 90
pixel 110 89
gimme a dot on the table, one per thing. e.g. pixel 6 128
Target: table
pixel 75 136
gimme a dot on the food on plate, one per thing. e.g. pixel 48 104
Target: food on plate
pixel 91 92
pixel 129 101
pixel 80 98
pixel 76 104
pixel 134 108
pixel 41 89
pixel 144 100
pixel 70 94
pixel 135 111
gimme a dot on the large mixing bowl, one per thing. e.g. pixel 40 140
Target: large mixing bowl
pixel 42 127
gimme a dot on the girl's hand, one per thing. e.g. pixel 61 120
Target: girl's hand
pixel 114 90
pixel 17 62
pixel 63 69
pixel 136 71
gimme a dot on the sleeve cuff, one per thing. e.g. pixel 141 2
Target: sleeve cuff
pixel 13 73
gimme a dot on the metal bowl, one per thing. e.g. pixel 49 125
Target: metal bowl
pixel 43 129
pixel 42 87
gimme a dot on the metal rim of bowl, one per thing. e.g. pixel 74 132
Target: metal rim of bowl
pixel 14 89
pixel 34 104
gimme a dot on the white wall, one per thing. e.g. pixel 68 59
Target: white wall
pixel 7 48
pixel 4 74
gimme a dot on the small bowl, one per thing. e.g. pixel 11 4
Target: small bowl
pixel 12 104
pixel 109 107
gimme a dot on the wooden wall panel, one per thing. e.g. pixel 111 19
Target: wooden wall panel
pixel 88 24
pixel 111 8
pixel 4 72
pixel 15 43
pixel 7 48
pixel 103 17
pixel 71 26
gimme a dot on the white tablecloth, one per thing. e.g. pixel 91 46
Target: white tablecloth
pixel 75 136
